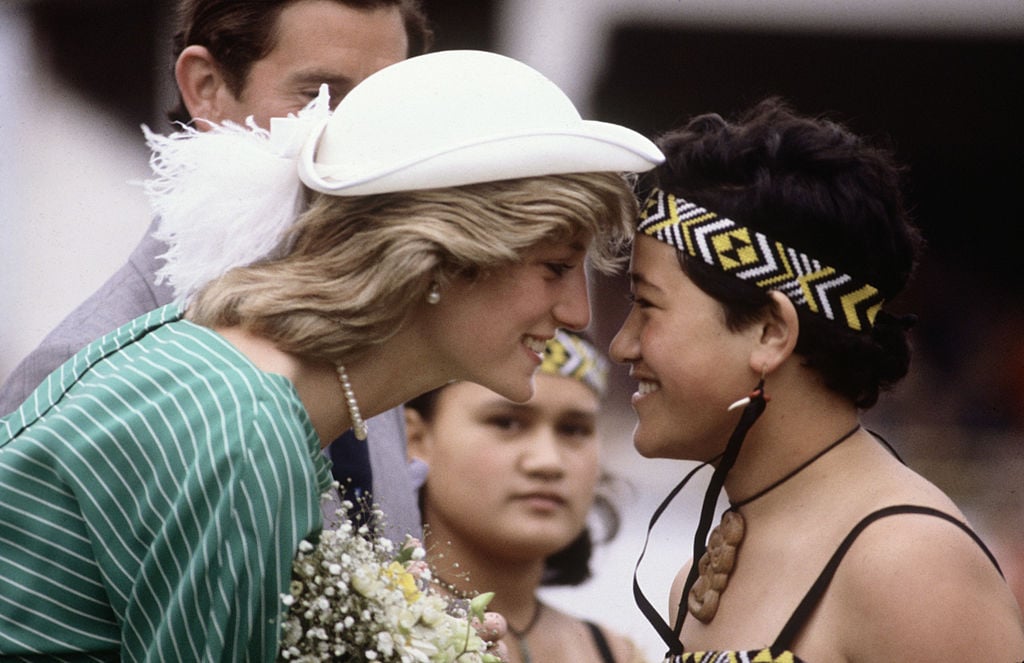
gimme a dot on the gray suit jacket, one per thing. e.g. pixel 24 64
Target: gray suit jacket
pixel 132 291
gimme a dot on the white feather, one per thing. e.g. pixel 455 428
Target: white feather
pixel 226 196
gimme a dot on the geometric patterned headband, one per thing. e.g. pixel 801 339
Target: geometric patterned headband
pixel 753 257
pixel 569 356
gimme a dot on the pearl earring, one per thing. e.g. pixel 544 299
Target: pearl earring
pixel 434 294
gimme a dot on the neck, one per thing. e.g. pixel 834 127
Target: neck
pixel 792 430
pixel 380 377
pixel 471 571
pixel 389 374
pixel 315 382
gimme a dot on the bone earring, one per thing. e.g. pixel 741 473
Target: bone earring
pixel 434 294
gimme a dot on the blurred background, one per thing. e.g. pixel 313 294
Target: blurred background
pixel 941 80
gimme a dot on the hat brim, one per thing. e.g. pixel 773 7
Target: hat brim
pixel 589 147
pixel 453 118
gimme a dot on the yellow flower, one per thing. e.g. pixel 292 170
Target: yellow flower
pixel 402 579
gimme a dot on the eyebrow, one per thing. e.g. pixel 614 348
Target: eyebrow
pixel 576 413
pixel 318 76
pixel 638 280
pixel 529 408
pixel 499 402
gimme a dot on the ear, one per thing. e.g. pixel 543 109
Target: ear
pixel 417 436
pixel 778 333
pixel 201 84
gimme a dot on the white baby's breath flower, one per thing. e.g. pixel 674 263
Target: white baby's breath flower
pixel 353 596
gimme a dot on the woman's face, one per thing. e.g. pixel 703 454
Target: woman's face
pixel 514 480
pixel 690 366
pixel 492 330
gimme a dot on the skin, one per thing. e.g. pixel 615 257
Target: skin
pixel 526 472
pixel 920 573
pixel 510 484
pixel 318 41
pixel 459 338
pixel 689 364
pixel 324 41
pixel 547 290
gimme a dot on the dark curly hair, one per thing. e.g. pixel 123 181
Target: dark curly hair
pixel 813 185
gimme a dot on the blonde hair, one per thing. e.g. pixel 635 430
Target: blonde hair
pixel 351 268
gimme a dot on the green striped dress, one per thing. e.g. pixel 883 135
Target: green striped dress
pixel 153 491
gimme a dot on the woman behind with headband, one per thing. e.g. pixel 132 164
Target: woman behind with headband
pixel 507 495
pixel 154 489
pixel 764 266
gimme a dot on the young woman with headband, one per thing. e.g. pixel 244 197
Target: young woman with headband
pixel 764 270
pixel 508 492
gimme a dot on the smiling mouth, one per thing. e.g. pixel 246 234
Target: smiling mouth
pixel 647 387
pixel 535 344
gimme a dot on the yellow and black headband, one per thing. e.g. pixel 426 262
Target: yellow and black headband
pixel 568 355
pixel 755 258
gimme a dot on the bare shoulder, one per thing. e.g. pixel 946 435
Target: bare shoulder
pixel 676 591
pixel 261 352
pixel 913 583
pixel 623 649
pixel 578 641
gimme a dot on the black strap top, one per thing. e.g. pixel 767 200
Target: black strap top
pixel 810 601
pixel 600 642
pixel 780 652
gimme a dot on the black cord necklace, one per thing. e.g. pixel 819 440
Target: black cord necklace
pixel 800 468
pixel 521 634
pixel 719 559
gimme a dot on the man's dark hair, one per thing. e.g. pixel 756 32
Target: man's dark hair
pixel 239 32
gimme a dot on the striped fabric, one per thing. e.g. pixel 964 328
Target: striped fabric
pixel 153 492
pixel 760 656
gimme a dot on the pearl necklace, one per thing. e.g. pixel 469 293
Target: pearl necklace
pixel 717 562
pixel 358 425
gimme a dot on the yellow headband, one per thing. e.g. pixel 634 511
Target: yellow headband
pixel 753 257
pixel 570 356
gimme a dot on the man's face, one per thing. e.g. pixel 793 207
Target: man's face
pixel 318 41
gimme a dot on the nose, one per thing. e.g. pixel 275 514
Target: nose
pixel 542 455
pixel 625 347
pixel 572 310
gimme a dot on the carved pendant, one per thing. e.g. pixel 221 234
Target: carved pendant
pixel 715 566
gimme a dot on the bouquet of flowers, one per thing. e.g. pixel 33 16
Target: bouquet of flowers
pixel 355 598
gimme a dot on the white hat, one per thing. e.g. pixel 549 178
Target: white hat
pixel 452 118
